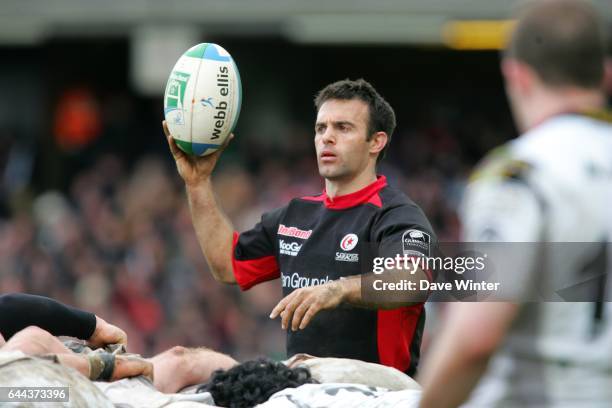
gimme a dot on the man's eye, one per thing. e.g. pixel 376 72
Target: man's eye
pixel 320 129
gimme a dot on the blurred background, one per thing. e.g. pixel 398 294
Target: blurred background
pixel 92 211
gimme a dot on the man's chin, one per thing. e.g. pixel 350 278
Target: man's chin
pixel 332 175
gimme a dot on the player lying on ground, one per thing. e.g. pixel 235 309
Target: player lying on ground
pixel 170 371
pixel 180 367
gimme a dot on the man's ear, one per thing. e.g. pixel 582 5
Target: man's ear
pixel 608 76
pixel 378 142
pixel 518 75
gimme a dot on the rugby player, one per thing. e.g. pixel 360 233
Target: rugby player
pixel 314 243
pixel 553 184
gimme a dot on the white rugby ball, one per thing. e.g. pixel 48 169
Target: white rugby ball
pixel 202 99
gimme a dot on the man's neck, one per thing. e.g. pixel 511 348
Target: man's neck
pixel 335 188
pixel 551 104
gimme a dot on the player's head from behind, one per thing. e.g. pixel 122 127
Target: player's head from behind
pixel 554 61
pixel 353 128
pixel 253 382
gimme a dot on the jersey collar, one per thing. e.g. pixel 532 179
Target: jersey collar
pixel 368 194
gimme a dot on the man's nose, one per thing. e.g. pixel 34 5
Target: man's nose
pixel 329 137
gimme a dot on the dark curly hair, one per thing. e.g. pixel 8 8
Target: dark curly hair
pixel 253 382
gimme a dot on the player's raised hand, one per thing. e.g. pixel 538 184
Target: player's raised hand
pixel 300 306
pixel 193 169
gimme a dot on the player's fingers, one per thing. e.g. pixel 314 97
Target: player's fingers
pixel 280 306
pixel 174 149
pixel 287 316
pixel 225 144
pixel 131 366
pixel 166 130
pixel 120 337
pixel 299 314
pixel 310 313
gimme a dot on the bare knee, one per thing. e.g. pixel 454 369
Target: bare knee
pixel 34 340
pixel 33 333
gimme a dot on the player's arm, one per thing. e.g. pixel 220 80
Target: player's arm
pixel 299 307
pixel 460 355
pixel 213 229
pixel 502 210
pixel 20 310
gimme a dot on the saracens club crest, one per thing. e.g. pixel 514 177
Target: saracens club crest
pixel 348 243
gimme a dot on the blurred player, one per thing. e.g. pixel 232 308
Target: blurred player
pixel 313 242
pixel 552 184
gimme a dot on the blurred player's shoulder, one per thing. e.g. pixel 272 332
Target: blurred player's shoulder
pixel 567 145
pixel 545 174
pixel 500 164
pixel 565 136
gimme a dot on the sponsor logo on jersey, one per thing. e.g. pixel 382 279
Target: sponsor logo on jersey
pixel 349 242
pixel 289 248
pixel 415 242
pixel 295 281
pixel 293 232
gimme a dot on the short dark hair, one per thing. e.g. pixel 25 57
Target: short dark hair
pixel 562 40
pixel 253 382
pixel 382 117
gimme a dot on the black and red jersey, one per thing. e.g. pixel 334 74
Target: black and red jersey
pixel 316 239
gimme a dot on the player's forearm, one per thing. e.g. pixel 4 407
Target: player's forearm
pixel 213 230
pixel 452 371
pixel 20 310
pixel 353 293
pixel 458 358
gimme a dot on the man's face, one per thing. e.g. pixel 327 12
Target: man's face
pixel 341 131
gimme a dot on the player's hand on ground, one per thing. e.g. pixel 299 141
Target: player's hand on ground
pixel 193 169
pixel 106 333
pixel 131 366
pixel 299 307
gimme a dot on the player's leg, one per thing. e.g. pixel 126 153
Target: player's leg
pixel 180 367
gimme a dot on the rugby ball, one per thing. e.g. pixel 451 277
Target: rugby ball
pixel 202 99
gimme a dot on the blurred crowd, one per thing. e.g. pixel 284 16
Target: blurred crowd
pixel 119 240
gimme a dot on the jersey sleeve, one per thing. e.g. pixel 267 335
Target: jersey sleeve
pixel 502 215
pixel 500 211
pixel 20 310
pixel 404 230
pixel 500 203
pixel 254 255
